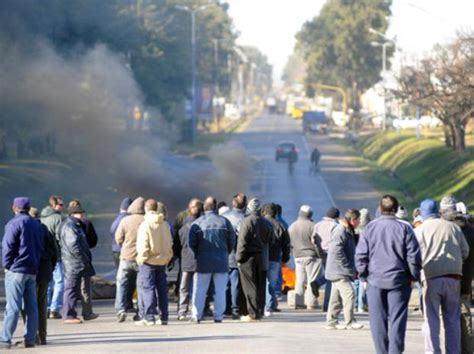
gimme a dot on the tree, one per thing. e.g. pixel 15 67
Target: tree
pixel 444 84
pixel 337 46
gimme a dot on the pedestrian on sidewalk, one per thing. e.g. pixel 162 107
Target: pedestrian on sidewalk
pixel 113 229
pixel 235 216
pixel 283 223
pixel 48 260
pixel 323 230
pixel 361 297
pixel 255 233
pixel 450 213
pixel 388 259
pixel 77 260
pixel 186 256
pixel 22 246
pixel 154 247
pixel 51 217
pixel 126 237
pixel 308 259
pixel 341 271
pixel 443 249
pixel 279 252
pixel 211 239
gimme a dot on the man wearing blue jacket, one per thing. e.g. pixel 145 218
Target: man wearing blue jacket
pixel 388 258
pixel 22 247
pixel 211 239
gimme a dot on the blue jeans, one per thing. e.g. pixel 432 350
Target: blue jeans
pixel 234 290
pixel 126 275
pixel 200 286
pixel 360 299
pixel 20 288
pixel 273 272
pixel 56 288
pixel 152 280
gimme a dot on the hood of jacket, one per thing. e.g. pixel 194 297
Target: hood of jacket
pixel 137 206
pixel 48 211
pixel 154 220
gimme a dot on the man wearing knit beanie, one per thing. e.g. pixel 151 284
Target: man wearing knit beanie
pixel 443 249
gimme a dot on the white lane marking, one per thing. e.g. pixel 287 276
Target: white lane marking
pixel 321 179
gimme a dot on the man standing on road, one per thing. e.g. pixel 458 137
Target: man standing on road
pixel 51 217
pixel 126 237
pixel 186 255
pixel 235 216
pixel 341 272
pixel 211 239
pixel 255 233
pixel 307 258
pixel 154 252
pixel 450 213
pixel 22 246
pixel 323 230
pixel 279 252
pixel 443 249
pixel 113 229
pixel 388 258
pixel 77 260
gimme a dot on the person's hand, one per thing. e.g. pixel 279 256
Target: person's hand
pixel 364 285
pixel 170 266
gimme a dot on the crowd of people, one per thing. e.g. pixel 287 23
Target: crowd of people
pixel 230 264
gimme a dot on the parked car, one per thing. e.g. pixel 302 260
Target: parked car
pixel 286 150
pixel 315 122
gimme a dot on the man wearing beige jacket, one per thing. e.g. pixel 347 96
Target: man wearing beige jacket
pixel 154 251
pixel 443 249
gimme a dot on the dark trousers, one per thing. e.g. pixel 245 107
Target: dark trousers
pixel 42 298
pixel 253 279
pixel 72 293
pixel 116 257
pixel 86 297
pixel 152 280
pixel 388 314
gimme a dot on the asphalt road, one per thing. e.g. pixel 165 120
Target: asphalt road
pixel 287 332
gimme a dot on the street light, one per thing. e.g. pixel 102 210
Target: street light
pixel 193 12
pixel 384 45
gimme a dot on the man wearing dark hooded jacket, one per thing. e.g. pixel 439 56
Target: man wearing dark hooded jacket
pixel 126 237
pixel 255 233
pixel 279 252
pixel 77 260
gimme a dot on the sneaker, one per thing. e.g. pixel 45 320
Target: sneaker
pixel 91 317
pixel 247 319
pixel 331 326
pixel 276 310
pixel 235 316
pixel 55 315
pixel 163 322
pixel 145 323
pixel 217 321
pixel 182 318
pixel 72 321
pixel 121 317
pixel 136 317
pixel 268 314
pixel 355 325
pixel 194 320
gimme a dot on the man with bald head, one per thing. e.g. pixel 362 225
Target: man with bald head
pixel 211 238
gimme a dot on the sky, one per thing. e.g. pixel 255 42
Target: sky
pixel 271 25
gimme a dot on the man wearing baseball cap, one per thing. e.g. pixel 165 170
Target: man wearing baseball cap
pixel 22 246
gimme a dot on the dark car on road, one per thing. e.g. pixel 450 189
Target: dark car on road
pixel 286 150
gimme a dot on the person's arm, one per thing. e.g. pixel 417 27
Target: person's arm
pixel 362 257
pixel 193 238
pixel 338 242
pixel 143 245
pixel 231 239
pixel 413 255
pixel 285 243
pixel 10 245
pixel 464 245
pixel 316 240
pixel 242 241
pixel 91 235
pixel 120 233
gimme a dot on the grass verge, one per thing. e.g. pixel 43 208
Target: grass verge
pixel 414 169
